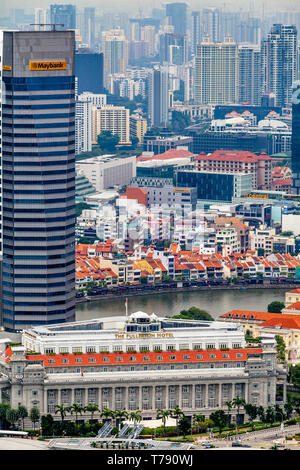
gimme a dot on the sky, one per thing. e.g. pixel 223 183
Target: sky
pixel 132 6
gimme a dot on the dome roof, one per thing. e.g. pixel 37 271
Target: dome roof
pixel 273 123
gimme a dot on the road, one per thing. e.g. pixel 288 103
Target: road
pixel 16 443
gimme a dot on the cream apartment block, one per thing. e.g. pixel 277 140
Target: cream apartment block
pixel 111 118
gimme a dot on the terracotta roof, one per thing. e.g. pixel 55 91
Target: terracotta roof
pixel 233 155
pixel 144 358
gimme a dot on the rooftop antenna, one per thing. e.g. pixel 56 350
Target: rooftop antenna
pixel 48 24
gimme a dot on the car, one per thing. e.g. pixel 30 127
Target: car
pixel 239 444
pixel 206 443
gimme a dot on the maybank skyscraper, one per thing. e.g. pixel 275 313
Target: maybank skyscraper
pixel 296 137
pixel 38 178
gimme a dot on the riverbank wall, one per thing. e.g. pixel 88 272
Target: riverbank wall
pixel 124 295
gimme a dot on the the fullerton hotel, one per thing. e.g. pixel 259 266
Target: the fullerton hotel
pixel 140 362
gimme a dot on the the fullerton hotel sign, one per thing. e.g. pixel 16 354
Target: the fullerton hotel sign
pixel 143 335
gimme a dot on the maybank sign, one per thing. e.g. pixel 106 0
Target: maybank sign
pixel 258 196
pixel 48 65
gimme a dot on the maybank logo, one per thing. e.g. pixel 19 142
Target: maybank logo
pixel 6 67
pixel 48 65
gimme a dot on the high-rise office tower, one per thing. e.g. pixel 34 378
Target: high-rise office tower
pixel 40 19
pixel 216 72
pixel 195 31
pixel 83 140
pixel 38 176
pixel 148 35
pixel 249 74
pixel 279 52
pixel 176 13
pixel 166 41
pixel 296 137
pixel 158 101
pixel 89 69
pixel 115 50
pixel 88 33
pixel 298 60
pixel 211 24
pixel 63 15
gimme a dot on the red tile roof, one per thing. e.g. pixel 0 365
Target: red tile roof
pixel 139 358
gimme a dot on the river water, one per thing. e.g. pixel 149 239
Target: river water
pixel 216 302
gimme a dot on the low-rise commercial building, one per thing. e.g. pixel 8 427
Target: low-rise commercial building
pixel 106 171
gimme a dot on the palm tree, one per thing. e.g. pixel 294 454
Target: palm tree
pixel 107 413
pixel 62 409
pixel 92 408
pixel 177 413
pixel 76 408
pixel 261 413
pixel 135 416
pixel 12 416
pixel 197 419
pixel 251 411
pixel 22 414
pixel 163 415
pixel 229 407
pixel 34 416
pixel 120 415
pixel 238 402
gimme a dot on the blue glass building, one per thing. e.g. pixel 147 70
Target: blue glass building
pixel 89 72
pixel 38 178
pixel 296 138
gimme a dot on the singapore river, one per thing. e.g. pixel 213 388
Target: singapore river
pixel 216 302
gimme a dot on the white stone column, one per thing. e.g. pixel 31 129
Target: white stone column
pixel 140 398
pixel 220 395
pixel 167 396
pixel 180 395
pixel 113 398
pixel 193 404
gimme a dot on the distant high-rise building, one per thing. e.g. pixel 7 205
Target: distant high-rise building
pixel 158 100
pixel 298 60
pixel 211 24
pixel 167 41
pixel 216 72
pixel 249 74
pixel 88 33
pixel 89 69
pixel 279 52
pixel 195 31
pixel 296 137
pixel 115 50
pixel 40 19
pixel 176 12
pixel 63 15
pixel 38 173
pixel 148 35
pixel 83 139
pixel 111 118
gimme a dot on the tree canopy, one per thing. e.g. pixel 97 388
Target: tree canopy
pixel 194 313
pixel 108 141
pixel 275 307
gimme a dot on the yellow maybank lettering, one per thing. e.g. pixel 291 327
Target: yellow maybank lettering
pixel 48 65
pixel 6 67
pixel 258 196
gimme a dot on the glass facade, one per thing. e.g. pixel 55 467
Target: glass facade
pixel 38 176
pixel 210 186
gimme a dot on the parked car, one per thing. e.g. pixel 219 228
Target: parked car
pixel 239 444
